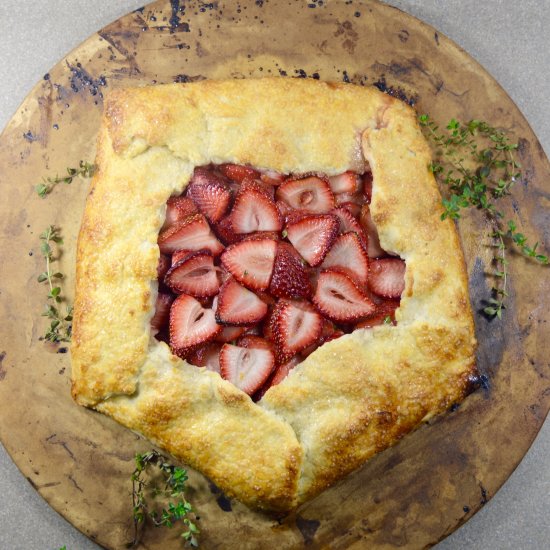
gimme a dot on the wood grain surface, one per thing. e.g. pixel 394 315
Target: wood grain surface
pixel 411 495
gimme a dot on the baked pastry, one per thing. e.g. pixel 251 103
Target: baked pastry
pixel 354 395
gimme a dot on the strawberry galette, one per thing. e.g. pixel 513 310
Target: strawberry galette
pixel 264 285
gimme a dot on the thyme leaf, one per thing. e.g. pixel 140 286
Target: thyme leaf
pixel 172 491
pixel 477 163
pixel 60 322
pixel 84 170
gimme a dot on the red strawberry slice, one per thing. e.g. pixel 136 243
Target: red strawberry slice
pixel 252 341
pixel 190 325
pixel 239 306
pixel 387 277
pixel 348 182
pixel 338 298
pixel 353 208
pixel 254 211
pixel 225 232
pixel 162 312
pixel 348 223
pixel 312 194
pixel 191 233
pixel 178 208
pixel 271 177
pixel 367 186
pixel 260 185
pixel 384 315
pixel 347 253
pixel 374 250
pixel 238 172
pixel 194 274
pixel 353 198
pixel 178 255
pixel 211 196
pixel 207 356
pixel 251 262
pixel 290 278
pixel 246 368
pixel 312 237
pixel 229 333
pixel 163 266
pixel 295 326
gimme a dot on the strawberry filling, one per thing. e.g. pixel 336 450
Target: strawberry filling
pixel 258 269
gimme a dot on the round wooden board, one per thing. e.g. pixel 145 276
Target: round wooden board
pixel 411 495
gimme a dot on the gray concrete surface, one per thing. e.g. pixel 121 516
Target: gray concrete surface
pixel 508 38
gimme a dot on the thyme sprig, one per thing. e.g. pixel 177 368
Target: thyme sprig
pixel 84 170
pixel 60 323
pixel 477 163
pixel 177 507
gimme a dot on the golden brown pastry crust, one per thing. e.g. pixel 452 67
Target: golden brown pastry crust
pixel 353 396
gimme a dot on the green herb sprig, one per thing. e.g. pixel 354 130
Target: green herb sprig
pixel 173 492
pixel 60 324
pixel 477 163
pixel 84 170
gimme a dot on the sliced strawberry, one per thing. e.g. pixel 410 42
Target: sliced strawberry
pixel 338 298
pixel 374 249
pixel 179 255
pixel 347 253
pixel 163 266
pixel 353 208
pixel 207 356
pixel 191 233
pixel 283 209
pixel 290 278
pixel 346 198
pixel 312 237
pixel 195 274
pixel 178 208
pixel 211 196
pixel 294 216
pixel 387 277
pixel 229 333
pixel 225 232
pixel 162 312
pixel 272 177
pixel 239 306
pixel 259 235
pixel 254 211
pixel 367 186
pixel 384 315
pixel 295 325
pixel 190 325
pixel 348 223
pixel 251 262
pixel 238 172
pixel 252 341
pixel 348 182
pixel 259 185
pixel 246 368
pixel 278 376
pixel 312 194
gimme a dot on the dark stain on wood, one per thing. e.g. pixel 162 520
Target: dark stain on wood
pixel 3 371
pixel 307 527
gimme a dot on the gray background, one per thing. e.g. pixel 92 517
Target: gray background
pixel 508 38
